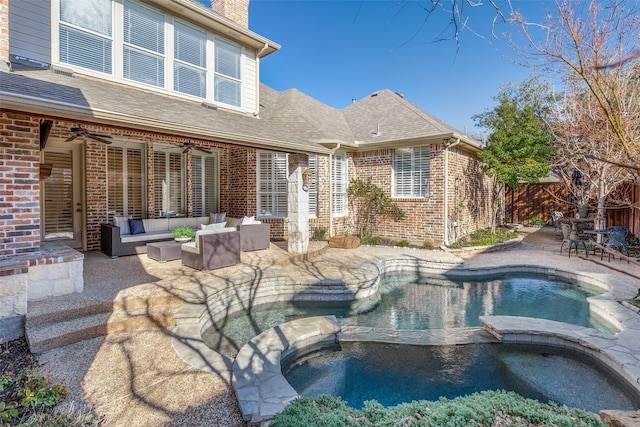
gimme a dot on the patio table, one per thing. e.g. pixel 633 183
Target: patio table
pixel 164 251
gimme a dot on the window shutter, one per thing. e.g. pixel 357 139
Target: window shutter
pixel 411 172
pixel 227 88
pixel 340 184
pixel 125 182
pixel 85 34
pixel 143 44
pixel 313 187
pixel 160 191
pixel 203 185
pixel 58 188
pixel 190 54
pixel 272 185
pixel 175 182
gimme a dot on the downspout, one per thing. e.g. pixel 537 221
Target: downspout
pixel 331 189
pixel 256 112
pixel 447 146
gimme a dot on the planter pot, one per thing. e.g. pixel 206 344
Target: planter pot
pixel 182 239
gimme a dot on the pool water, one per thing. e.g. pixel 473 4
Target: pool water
pixel 393 374
pixel 412 302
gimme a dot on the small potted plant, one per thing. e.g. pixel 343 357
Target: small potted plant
pixel 183 234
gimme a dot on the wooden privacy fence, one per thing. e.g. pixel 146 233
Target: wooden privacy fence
pixel 531 200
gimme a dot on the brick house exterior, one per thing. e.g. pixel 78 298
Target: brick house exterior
pixel 52 103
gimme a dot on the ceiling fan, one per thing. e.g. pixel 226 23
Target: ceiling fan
pixel 190 145
pixel 80 132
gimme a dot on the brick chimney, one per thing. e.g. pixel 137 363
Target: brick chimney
pixel 236 10
pixel 4 34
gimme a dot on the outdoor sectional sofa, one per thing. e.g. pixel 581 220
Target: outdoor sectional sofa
pixel 116 240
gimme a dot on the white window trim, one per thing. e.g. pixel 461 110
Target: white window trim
pixel 166 149
pixel 137 145
pixel 118 59
pixel 215 183
pixel 313 188
pixel 394 178
pixel 340 159
pixel 258 193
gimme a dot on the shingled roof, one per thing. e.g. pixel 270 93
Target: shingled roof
pixel 287 121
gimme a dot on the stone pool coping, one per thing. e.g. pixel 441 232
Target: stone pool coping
pixel 263 392
pixel 617 351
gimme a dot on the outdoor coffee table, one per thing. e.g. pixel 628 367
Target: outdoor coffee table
pixel 164 251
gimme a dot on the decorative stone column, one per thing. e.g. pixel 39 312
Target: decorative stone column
pixel 298 215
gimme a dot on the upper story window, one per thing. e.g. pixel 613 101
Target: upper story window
pixel 189 59
pixel 227 75
pixel 85 33
pixel 130 40
pixel 143 44
pixel 411 172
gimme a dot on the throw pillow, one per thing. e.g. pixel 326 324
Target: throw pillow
pixel 214 226
pixel 215 218
pixel 136 226
pixel 122 222
pixel 247 220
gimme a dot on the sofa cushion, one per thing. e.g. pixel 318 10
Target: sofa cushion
pixel 247 220
pixel 193 222
pixel 231 222
pixel 146 237
pixel 122 222
pixel 136 226
pixel 220 230
pixel 156 225
pixel 190 247
pixel 215 218
pixel 215 226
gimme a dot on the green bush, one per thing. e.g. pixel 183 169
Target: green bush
pixel 370 240
pixel 484 238
pixel 485 408
pixel 536 221
pixel 319 234
pixel 403 244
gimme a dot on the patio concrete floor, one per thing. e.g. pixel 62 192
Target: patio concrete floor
pixel 133 377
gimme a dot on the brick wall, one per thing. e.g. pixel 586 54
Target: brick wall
pixel 19 184
pixel 468 196
pixel 235 10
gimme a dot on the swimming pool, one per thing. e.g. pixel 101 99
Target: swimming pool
pixel 392 374
pixel 408 301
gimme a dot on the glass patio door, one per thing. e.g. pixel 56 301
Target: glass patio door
pixel 61 195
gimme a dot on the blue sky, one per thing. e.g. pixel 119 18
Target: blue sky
pixel 335 51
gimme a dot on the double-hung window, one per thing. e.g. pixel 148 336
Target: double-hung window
pixel 189 59
pixel 313 187
pixel 339 184
pixel 227 77
pixel 204 184
pixel 272 185
pixel 143 50
pixel 126 180
pixel 168 181
pixel 411 172
pixel 85 33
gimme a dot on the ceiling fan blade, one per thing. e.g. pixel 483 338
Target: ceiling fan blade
pixel 204 150
pixel 99 139
pixel 71 138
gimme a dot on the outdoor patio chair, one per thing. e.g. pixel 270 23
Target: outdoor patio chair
pixel 556 217
pixel 571 238
pixel 616 240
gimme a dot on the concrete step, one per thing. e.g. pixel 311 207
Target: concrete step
pixel 48 331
